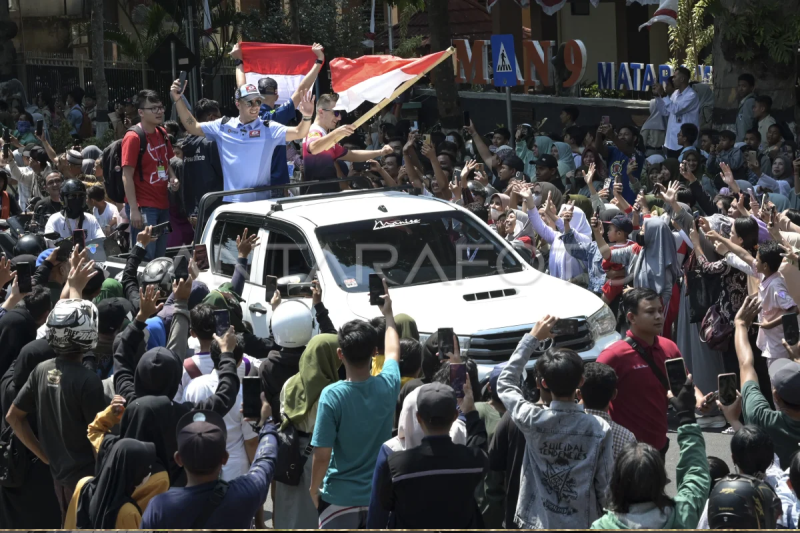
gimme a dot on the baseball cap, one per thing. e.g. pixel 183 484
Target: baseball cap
pixel 201 439
pixel 785 377
pixel 38 154
pixel 514 162
pixel 621 222
pixel 436 401
pixel 267 86
pixel 247 91
pixel 74 157
pixel 547 161
pixel 43 257
pixel 493 376
pixel 112 313
pixel 26 150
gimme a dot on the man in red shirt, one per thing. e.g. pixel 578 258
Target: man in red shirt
pixel 641 402
pixel 147 185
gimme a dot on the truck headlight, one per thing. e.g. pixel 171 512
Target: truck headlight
pixel 602 322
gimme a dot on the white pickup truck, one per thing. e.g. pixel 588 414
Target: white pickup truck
pixel 445 268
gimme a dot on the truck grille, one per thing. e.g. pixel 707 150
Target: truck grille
pixel 498 345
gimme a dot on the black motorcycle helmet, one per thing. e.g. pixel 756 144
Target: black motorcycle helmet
pixel 743 502
pixel 477 189
pixel 30 244
pixel 73 198
pixel 159 272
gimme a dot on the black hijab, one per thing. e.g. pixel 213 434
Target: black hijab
pixel 150 419
pixel 120 470
pixel 14 379
pixel 158 373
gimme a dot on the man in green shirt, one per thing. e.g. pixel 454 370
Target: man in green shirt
pixel 783 425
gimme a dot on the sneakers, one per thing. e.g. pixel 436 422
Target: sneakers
pixel 711 422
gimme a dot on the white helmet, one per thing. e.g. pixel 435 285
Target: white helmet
pixel 292 324
pixel 72 326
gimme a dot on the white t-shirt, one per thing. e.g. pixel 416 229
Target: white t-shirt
pixel 239 431
pixel 206 366
pixel 245 151
pixel 108 215
pixel 65 227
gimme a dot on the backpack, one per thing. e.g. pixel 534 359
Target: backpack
pixel 85 130
pixel 112 163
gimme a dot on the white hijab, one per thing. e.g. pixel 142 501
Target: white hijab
pixel 562 264
pixel 409 432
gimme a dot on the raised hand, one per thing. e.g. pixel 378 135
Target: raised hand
pixel 148 303
pixel 246 244
pixel 318 50
pixel 306 106
pixel 588 176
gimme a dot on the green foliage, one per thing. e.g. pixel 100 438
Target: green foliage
pixel 60 139
pixel 690 36
pixel 139 45
pixel 592 90
pixel 762 30
pixel 328 22
pixel 101 142
pixel 408 46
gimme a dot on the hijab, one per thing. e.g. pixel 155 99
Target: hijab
pixel 562 265
pixel 111 288
pixel 547 188
pixel 504 201
pixel 656 121
pixel 158 373
pixel 149 419
pixel 522 228
pixel 319 367
pixel 544 144
pixel 123 467
pixel 566 163
pixel 409 432
pixel 87 167
pixel 657 268
pixel 583 203
pixel 406 327
pixel 579 221
pixel 655 159
pixel 91 152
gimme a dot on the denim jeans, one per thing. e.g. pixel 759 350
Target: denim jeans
pixel 151 216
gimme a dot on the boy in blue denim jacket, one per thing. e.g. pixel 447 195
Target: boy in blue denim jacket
pixel 568 461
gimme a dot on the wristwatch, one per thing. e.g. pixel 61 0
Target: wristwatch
pixel 319 61
pixel 307 118
pixel 237 62
pixel 542 346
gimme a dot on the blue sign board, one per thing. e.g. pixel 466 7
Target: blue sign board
pixel 504 60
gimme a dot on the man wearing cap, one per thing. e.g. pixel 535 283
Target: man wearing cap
pixel 71 164
pixel 547 171
pixel 245 143
pixel 283 114
pixel 412 484
pixel 207 501
pixel 511 167
pixel 783 425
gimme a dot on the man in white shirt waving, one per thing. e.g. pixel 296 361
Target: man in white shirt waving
pixel 682 106
pixel 245 143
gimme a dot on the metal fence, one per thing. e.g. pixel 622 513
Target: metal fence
pixel 57 74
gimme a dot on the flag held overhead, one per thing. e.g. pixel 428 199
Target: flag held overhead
pixel 287 64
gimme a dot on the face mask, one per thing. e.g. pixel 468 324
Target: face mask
pixel 495 213
pixel 23 126
pixel 640 239
pixel 537 199
pixel 74 206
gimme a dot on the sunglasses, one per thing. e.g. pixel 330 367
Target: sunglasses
pixel 155 109
pixel 336 114
pixel 254 103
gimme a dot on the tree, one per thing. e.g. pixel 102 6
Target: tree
pixel 139 45
pixel 690 36
pixel 442 76
pixel 98 67
pixel 758 37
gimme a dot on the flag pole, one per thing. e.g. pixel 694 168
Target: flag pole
pixel 330 139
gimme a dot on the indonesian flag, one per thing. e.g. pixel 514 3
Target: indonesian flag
pixel 374 78
pixel 287 64
pixel 667 12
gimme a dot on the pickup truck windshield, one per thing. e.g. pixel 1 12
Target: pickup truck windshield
pixel 414 250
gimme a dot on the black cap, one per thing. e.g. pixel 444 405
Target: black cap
pixel 38 153
pixel 622 222
pixel 436 401
pixel 201 439
pixel 547 161
pixel 514 162
pixel 112 313
pixel 26 150
pixel 267 86
pixel 785 377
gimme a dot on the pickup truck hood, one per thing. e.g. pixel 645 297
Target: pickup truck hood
pixel 441 305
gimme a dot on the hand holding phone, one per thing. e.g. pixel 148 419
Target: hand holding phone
pixel 466 119
pixel 182 79
pixel 39 128
pixel 251 397
pixel 726 384
pixel 222 321
pixel 445 341
pixel 271 287
pixel 376 290
pixel 201 256
pixel 79 238
pixel 24 278
pixel 676 374
pixel 458 377
pixel 180 265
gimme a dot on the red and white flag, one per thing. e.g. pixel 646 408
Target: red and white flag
pixel 287 64
pixel 373 78
pixel 667 12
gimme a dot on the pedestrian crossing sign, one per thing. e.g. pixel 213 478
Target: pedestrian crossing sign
pixel 504 60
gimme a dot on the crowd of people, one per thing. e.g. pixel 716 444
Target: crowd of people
pixel 122 400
